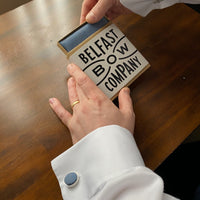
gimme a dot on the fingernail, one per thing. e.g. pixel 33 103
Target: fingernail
pixel 71 80
pixel 69 67
pixel 127 90
pixel 52 101
pixel 91 18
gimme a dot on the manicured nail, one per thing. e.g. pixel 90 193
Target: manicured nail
pixel 91 18
pixel 127 90
pixel 52 101
pixel 69 67
pixel 71 80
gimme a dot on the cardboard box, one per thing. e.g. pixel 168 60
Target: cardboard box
pixel 105 54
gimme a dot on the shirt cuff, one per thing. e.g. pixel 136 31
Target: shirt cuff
pixel 101 155
pixel 144 7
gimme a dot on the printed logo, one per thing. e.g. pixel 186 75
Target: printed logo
pixel 109 59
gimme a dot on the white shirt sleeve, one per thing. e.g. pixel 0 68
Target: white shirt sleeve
pixel 143 7
pixel 109 166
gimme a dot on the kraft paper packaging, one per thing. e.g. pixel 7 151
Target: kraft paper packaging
pixel 105 54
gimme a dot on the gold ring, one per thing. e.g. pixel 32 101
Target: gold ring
pixel 74 103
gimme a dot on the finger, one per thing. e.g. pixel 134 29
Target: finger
pixel 98 11
pixel 73 95
pixel 87 5
pixel 82 96
pixel 86 84
pixel 125 102
pixel 60 111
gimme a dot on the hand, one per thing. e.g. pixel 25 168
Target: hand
pixel 94 109
pixel 93 10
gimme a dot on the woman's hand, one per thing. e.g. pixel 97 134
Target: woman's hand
pixel 93 109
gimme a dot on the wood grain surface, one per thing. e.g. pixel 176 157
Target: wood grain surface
pixel 33 69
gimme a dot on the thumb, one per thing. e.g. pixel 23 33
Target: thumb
pixel 125 102
pixel 98 11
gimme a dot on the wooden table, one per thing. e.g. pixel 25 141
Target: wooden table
pixel 33 69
